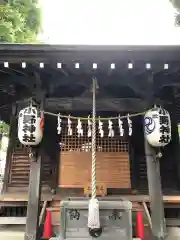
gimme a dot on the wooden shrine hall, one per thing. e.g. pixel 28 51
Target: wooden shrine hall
pixel 59 79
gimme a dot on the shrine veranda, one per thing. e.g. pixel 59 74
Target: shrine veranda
pixel 58 79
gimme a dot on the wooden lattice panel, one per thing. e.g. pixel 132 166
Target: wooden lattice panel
pixel 83 143
pixel 112 162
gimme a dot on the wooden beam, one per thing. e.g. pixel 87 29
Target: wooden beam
pixel 26 81
pixel 33 208
pixel 103 104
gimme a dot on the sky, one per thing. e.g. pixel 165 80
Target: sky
pixel 112 22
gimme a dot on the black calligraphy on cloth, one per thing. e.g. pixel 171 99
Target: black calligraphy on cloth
pixel 29 127
pixel 164 129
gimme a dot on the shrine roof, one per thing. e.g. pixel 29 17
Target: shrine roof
pixel 103 53
pixel 65 73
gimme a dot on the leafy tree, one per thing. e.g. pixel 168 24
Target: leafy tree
pixel 4 131
pixel 20 21
pixel 176 4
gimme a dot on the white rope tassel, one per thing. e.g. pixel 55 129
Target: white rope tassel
pixel 129 125
pixel 93 217
pixel 59 128
pixel 79 128
pixel 101 131
pixel 69 127
pixel 110 127
pixel 121 129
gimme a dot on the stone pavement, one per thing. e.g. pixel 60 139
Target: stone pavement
pixel 12 232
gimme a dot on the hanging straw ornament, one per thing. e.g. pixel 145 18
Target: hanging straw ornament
pixel 59 121
pixel 129 125
pixel 69 127
pixel 89 127
pixel 101 131
pixel 79 128
pixel 110 127
pixel 121 129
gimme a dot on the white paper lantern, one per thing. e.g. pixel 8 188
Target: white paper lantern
pixel 30 126
pixel 157 127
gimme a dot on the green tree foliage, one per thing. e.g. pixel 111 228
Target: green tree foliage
pixel 176 5
pixel 4 129
pixel 20 21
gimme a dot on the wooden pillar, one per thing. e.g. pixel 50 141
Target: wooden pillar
pixel 175 121
pixel 11 145
pixel 35 186
pixel 155 192
pixel 33 208
pixel 154 177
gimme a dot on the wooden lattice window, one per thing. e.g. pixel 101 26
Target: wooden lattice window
pixel 83 144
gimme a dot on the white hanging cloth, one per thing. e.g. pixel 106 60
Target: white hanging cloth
pixel 121 129
pixel 69 127
pixel 89 128
pixel 110 127
pixel 59 121
pixel 129 125
pixel 79 128
pixel 101 131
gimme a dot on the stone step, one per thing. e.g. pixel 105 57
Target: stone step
pixel 12 232
pixel 12 235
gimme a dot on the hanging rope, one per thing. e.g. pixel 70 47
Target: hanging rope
pixel 94 141
pixel 98 118
pixel 93 218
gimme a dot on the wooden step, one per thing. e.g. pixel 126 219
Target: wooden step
pixel 12 220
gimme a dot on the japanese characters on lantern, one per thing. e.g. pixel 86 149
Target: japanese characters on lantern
pixel 157 127
pixel 30 126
